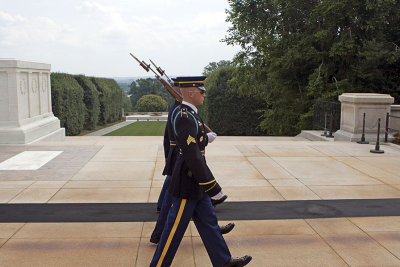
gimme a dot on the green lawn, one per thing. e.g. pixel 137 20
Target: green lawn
pixel 141 128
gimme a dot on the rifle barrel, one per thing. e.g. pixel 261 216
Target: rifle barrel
pixel 167 84
pixel 142 63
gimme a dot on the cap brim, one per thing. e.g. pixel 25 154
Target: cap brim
pixel 202 88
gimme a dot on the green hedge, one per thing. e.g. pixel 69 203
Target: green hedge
pixel 225 110
pixel 91 101
pixel 67 102
pixel 110 96
pixel 82 102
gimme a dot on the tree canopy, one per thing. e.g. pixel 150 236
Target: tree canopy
pixel 294 52
pixel 148 86
pixel 151 103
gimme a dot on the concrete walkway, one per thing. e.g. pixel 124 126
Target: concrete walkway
pixel 92 169
pixel 129 120
pixel 110 129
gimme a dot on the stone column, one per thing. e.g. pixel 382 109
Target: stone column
pixel 354 105
pixel 25 103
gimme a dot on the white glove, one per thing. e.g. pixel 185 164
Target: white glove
pixel 218 196
pixel 211 136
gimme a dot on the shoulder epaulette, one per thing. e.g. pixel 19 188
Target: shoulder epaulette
pixel 184 113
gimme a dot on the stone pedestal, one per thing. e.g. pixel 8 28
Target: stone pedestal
pixel 353 106
pixel 25 103
pixel 394 123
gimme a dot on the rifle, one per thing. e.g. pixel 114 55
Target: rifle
pixel 167 84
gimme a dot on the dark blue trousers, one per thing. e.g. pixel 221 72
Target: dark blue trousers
pixel 179 215
pixel 163 190
pixel 162 217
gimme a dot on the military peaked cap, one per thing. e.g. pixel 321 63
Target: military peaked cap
pixel 192 81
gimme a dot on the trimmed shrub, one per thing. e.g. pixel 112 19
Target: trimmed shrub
pixel 151 103
pixel 91 101
pixel 110 97
pixel 82 102
pixel 67 102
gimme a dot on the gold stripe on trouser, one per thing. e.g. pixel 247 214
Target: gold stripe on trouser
pixel 172 233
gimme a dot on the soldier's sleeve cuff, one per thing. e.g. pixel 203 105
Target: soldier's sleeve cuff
pixel 212 191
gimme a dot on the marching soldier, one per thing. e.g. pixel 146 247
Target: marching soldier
pixel 192 184
pixel 165 199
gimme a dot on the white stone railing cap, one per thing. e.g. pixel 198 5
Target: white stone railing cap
pixel 366 98
pixel 15 63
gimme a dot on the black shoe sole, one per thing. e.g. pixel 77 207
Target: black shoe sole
pixel 247 261
pixel 229 229
pixel 154 240
pixel 218 201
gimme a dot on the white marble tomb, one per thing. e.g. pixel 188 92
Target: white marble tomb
pixel 25 103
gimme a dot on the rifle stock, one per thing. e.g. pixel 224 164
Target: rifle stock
pixel 167 84
pixel 171 90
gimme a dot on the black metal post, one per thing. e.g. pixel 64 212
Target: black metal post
pixel 387 127
pixel 331 126
pixel 325 130
pixel 363 133
pixel 377 150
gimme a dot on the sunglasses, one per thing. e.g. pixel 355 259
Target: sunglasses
pixel 200 91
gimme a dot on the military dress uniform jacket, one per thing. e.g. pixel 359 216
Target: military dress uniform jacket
pixel 191 177
pixel 170 150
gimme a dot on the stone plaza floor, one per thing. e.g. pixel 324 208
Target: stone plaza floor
pixel 102 169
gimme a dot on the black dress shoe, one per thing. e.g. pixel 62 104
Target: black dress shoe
pixel 215 202
pixel 237 262
pixel 155 239
pixel 227 228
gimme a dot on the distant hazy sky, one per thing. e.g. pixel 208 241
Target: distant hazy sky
pixel 95 37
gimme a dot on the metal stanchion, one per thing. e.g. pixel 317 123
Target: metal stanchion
pixel 331 126
pixel 363 133
pixel 387 127
pixel 325 130
pixel 377 150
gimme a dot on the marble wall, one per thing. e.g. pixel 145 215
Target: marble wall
pixel 25 103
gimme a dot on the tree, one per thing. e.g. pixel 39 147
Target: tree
pixel 126 103
pixel 227 111
pixel 148 86
pixel 151 103
pixel 212 66
pixel 294 52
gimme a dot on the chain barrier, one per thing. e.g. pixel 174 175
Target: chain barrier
pixel 326 116
pixel 390 130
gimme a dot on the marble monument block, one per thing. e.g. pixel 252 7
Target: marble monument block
pixel 353 107
pixel 25 103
